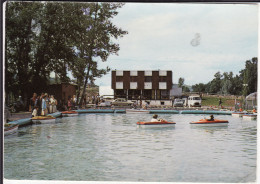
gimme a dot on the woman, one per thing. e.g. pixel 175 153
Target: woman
pixel 44 106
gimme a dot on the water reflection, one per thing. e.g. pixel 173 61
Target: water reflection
pixel 111 147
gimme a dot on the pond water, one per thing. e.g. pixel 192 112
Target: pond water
pixel 111 147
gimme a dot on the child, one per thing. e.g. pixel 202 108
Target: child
pixel 34 113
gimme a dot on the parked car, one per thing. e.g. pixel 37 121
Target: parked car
pixel 178 102
pixel 105 104
pixel 121 102
pixel 194 101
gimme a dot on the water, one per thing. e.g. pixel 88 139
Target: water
pixel 110 147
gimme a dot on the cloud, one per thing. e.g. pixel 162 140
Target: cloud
pixel 160 37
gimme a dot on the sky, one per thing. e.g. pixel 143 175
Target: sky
pixel 195 41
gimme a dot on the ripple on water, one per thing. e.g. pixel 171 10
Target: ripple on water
pixel 111 147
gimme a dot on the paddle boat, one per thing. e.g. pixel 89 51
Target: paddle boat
pixel 249 116
pixel 69 113
pixel 237 114
pixel 206 122
pixel 136 111
pixel 43 119
pixel 10 129
pixel 156 124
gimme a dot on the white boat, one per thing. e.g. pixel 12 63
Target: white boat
pixel 43 119
pixel 137 111
pixel 11 129
pixel 249 116
pixel 237 114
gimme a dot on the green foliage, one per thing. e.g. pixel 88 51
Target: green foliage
pixel 45 37
pixel 242 84
pixel 181 82
pixel 199 87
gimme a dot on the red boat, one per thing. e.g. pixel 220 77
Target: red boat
pixel 69 113
pixel 156 124
pixel 206 122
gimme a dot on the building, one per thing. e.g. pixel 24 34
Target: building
pixel 145 85
pixel 62 92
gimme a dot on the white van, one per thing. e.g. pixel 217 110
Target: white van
pixel 194 101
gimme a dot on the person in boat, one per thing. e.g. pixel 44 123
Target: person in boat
pixel 211 118
pixel 155 118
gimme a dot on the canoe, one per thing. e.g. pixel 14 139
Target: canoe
pixel 11 129
pixel 136 111
pixel 69 113
pixel 156 124
pixel 43 119
pixel 205 122
pixel 249 116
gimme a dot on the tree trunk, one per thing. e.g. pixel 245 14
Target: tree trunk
pixel 85 85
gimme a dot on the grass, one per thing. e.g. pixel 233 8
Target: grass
pixel 214 101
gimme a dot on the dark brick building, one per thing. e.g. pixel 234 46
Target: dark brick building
pixel 62 91
pixel 145 85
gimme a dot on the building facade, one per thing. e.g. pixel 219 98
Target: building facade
pixel 142 85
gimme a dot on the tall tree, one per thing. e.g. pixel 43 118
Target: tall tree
pixel 249 76
pixel 96 41
pixel 180 82
pixel 215 85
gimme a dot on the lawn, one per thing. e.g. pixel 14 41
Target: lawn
pixel 214 101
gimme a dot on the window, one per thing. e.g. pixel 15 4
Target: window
pixel 162 79
pixel 133 79
pixel 119 79
pixel 164 94
pixel 148 79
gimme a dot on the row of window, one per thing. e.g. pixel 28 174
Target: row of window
pixel 144 95
pixel 146 73
pixel 147 85
pixel 146 79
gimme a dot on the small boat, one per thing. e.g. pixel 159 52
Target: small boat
pixel 205 122
pixel 137 111
pixel 237 114
pixel 43 119
pixel 156 124
pixel 69 113
pixel 10 129
pixel 249 116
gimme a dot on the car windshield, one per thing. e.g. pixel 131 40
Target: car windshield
pixel 196 98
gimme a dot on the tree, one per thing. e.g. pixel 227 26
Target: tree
pixel 249 76
pixel 215 84
pixel 20 21
pixel 181 82
pixel 199 88
pixel 96 41
pixel 57 37
pixel 226 83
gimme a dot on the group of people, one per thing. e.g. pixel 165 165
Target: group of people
pixel 72 102
pixel 43 104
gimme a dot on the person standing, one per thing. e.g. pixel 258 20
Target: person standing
pixel 219 102
pixel 69 103
pixel 39 104
pixel 44 106
pixel 32 102
pixel 51 104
